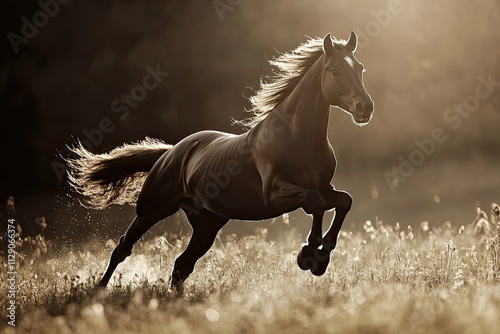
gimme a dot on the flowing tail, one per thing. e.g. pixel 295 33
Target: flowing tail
pixel 115 177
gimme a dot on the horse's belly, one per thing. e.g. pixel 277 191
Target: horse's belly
pixel 240 205
pixel 232 190
pixel 224 193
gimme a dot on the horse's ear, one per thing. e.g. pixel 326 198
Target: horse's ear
pixel 327 44
pixel 352 43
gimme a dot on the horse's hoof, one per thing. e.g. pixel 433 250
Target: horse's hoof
pixel 177 289
pixel 322 261
pixel 101 285
pixel 97 290
pixel 305 259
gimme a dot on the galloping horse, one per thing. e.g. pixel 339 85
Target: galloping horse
pixel 282 163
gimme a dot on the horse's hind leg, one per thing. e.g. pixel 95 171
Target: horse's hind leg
pixel 123 249
pixel 139 226
pixel 205 226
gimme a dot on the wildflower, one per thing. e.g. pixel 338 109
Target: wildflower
pixel 450 247
pixel 410 233
pixel 495 214
pixel 461 229
pixel 424 226
pixel 481 223
pixel 286 219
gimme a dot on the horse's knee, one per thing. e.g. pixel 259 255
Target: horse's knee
pixel 314 203
pixel 344 201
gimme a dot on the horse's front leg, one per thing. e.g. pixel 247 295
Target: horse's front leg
pixel 319 258
pixel 309 256
pixel 290 196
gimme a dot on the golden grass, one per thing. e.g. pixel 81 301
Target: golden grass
pixel 384 279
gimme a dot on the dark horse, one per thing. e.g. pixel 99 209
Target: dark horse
pixel 283 163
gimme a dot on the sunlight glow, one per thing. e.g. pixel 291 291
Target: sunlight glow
pixel 212 315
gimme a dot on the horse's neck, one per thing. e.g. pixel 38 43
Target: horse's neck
pixel 306 108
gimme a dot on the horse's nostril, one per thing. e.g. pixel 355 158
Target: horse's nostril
pixel 359 108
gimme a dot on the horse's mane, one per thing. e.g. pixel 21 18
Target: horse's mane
pixel 291 68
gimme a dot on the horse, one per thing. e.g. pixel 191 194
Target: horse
pixel 283 162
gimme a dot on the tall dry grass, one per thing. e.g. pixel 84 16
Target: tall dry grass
pixel 384 279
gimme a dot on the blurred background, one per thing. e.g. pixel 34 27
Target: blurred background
pixel 63 72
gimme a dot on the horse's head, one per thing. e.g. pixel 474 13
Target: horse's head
pixel 342 79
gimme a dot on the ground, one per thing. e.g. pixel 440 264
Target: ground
pixel 383 279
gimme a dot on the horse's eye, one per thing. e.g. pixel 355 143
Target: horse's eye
pixel 334 72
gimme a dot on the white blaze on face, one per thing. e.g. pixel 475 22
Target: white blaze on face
pixel 349 61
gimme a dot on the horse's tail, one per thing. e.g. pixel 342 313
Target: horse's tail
pixel 115 177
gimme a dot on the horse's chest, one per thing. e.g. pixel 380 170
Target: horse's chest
pixel 319 174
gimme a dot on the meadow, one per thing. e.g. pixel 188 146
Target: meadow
pixel 382 279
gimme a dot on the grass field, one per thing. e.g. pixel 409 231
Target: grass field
pixel 384 279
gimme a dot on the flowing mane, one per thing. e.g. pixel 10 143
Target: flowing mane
pixel 291 68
